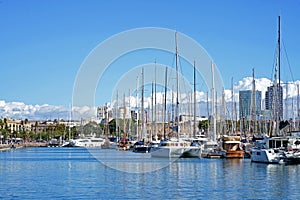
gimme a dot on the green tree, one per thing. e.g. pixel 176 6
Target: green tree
pixel 92 128
pixel 203 125
pixel 74 131
pixel 59 130
pixel 1 124
pixel 112 127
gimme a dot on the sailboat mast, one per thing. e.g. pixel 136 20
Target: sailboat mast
pixel 117 116
pixel 137 110
pixel 129 107
pixel 297 122
pixel 223 115
pixel 232 104
pixel 142 109
pixel 152 112
pixel 275 104
pixel 278 88
pixel 70 119
pixel 253 103
pixel 208 115
pixel 279 51
pixel 177 87
pixel 195 103
pixel 155 110
pixel 213 101
pixel 124 117
pixel 165 102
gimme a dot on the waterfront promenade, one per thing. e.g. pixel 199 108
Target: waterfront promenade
pixel 4 147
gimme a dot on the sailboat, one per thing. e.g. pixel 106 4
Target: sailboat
pixel 106 144
pixel 142 146
pixel 211 148
pixel 195 149
pixel 124 143
pixel 275 149
pixel 269 150
pixel 173 147
pixel 67 143
pixel 231 144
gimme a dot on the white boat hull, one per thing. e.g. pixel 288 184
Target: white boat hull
pixel 192 152
pixel 265 156
pixel 87 142
pixel 162 152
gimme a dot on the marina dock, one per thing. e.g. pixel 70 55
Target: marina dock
pixel 5 147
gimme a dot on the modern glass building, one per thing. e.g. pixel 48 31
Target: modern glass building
pixel 245 104
pixel 271 97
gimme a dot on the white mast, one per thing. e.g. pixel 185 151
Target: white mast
pixel 152 112
pixel 195 103
pixel 223 114
pixel 298 111
pixel 177 87
pixel 70 121
pixel 129 110
pixel 165 103
pixel 142 109
pixel 124 117
pixel 298 106
pixel 208 115
pixel 213 102
pixel 253 103
pixel 155 110
pixel 117 116
pixel 233 111
pixel 137 110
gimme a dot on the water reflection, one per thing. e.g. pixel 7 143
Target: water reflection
pixel 75 173
pixel 127 161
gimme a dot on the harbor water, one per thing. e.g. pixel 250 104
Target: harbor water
pixel 77 173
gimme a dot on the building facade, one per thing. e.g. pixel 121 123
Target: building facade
pixel 274 99
pixel 245 104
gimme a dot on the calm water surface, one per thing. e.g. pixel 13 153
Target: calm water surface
pixel 70 173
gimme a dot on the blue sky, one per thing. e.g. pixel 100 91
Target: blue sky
pixel 43 43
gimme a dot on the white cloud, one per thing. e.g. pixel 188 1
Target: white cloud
pixel 83 112
pixel 261 84
pixel 20 110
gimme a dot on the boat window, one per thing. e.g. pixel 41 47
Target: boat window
pixel 278 143
pixel 258 153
